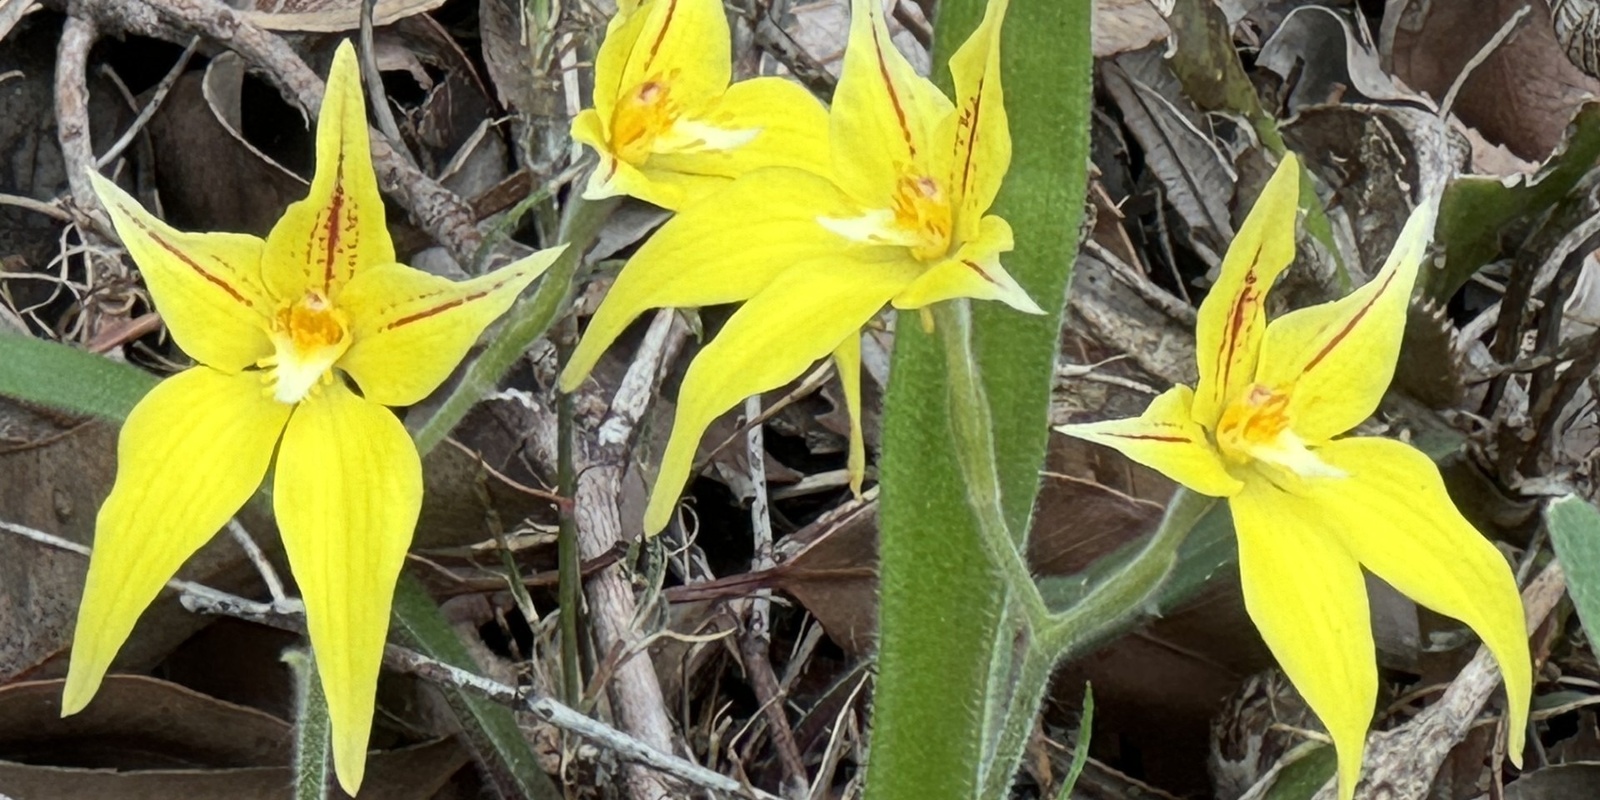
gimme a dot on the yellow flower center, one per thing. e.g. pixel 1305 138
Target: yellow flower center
pixel 1256 428
pixel 308 335
pixel 641 116
pixel 922 209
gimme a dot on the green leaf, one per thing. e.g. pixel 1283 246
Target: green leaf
pixel 1080 748
pixel 1477 209
pixel 940 602
pixel 1575 531
pixel 490 729
pixel 524 323
pixel 1308 768
pixel 69 379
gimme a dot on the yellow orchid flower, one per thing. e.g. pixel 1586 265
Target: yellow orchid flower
pixel 1312 510
pixel 899 218
pixel 284 329
pixel 666 123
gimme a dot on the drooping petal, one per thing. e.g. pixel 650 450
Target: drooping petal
pixel 788 127
pixel 207 286
pixel 802 316
pixel 1340 356
pixel 1233 319
pixel 977 134
pixel 190 454
pixel 324 240
pixel 974 272
pixel 684 42
pixel 1166 438
pixel 1305 593
pixel 884 113
pixel 847 360
pixel 411 328
pixel 347 492
pixel 722 249
pixel 1394 515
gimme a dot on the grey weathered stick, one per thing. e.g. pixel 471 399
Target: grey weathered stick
pixel 602 457
pixel 290 615
pixel 72 107
pixel 755 639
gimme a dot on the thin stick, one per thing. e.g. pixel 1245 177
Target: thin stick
pixel 239 606
pixel 1481 56
pixel 755 640
pixel 149 110
pixel 290 615
pixel 72 107
pixel 252 551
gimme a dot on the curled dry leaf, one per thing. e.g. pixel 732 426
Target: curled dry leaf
pixel 1523 95
pixel 144 739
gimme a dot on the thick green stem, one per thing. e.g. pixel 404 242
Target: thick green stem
pixel 1025 692
pixel 974 439
pixel 312 734
pixel 527 321
pixel 1124 594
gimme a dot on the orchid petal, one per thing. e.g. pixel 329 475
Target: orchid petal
pixel 611 62
pixel 1166 439
pixel 207 285
pixel 412 328
pixel 684 42
pixel 883 112
pixel 1394 515
pixel 847 361
pixel 347 492
pixel 977 133
pixel 1339 357
pixel 803 315
pixel 974 272
pixel 721 249
pixel 190 454
pixel 1307 597
pixel 1233 319
pixel 787 127
pixel 321 242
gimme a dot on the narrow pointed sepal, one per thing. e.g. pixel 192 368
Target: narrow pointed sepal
pixel 978 132
pixel 1233 318
pixel 1394 515
pixel 347 492
pixel 802 317
pixel 1339 357
pixel 847 360
pixel 1305 593
pixel 412 328
pixel 207 285
pixel 321 242
pixel 190 454
pixel 1166 439
pixel 883 114
pixel 722 249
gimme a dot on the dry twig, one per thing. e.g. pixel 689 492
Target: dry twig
pixel 438 210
